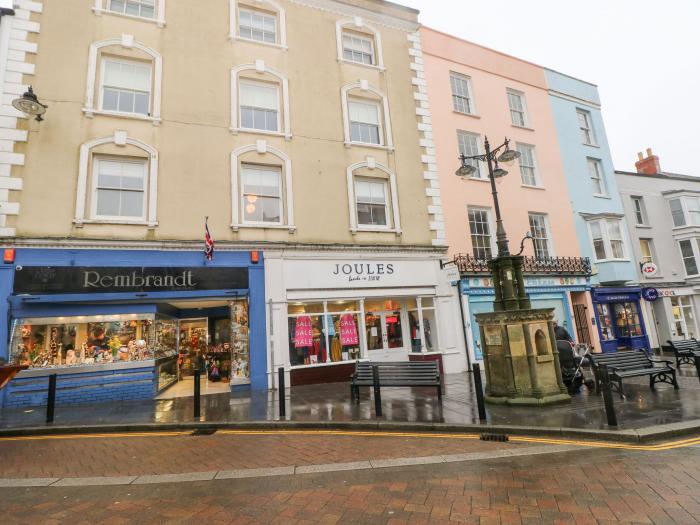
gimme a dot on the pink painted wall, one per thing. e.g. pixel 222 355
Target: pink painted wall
pixel 491 74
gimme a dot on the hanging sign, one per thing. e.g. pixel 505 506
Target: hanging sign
pixel 649 269
pixel 650 294
pixel 452 274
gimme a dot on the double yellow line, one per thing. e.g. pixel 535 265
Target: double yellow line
pixel 670 445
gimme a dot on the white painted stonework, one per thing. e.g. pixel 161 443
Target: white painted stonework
pixel 16 70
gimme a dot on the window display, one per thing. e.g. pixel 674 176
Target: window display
pixel 627 320
pixel 605 320
pixel 193 342
pixel 240 342
pixel 82 340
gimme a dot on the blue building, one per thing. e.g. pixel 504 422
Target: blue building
pixel 127 324
pixel 617 319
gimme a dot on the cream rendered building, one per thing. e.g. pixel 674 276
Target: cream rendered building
pixel 300 128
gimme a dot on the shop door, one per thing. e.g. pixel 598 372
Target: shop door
pixel 582 333
pixel 683 317
pixel 384 331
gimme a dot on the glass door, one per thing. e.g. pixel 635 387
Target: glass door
pixel 683 317
pixel 384 326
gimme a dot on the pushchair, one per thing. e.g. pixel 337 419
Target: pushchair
pixel 571 366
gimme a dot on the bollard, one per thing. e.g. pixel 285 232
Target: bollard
pixel 608 396
pixel 476 371
pixel 377 393
pixel 696 357
pixel 51 402
pixel 197 392
pixel 282 393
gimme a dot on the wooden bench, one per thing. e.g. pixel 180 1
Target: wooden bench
pixel 395 374
pixel 685 351
pixel 632 363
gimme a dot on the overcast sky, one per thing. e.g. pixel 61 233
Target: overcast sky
pixel 644 55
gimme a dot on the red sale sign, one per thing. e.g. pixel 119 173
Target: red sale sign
pixel 304 333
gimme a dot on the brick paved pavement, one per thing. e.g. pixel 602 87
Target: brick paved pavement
pixel 592 486
pixel 87 457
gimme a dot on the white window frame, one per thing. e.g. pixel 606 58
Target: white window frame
pixel 696 255
pixel 251 82
pixel 639 209
pixel 101 86
pixel 102 7
pixel 650 245
pixel 590 128
pixel 127 42
pixel 278 171
pixel 490 222
pixel 535 166
pixel 526 115
pixel 96 159
pixel 591 161
pixel 386 138
pixel 258 5
pixel 385 174
pixel 260 69
pixel 606 239
pixel 358 25
pixel 121 139
pixel 361 37
pixel 470 93
pixel 261 147
pixel 480 173
pixel 548 230
pixel 387 204
pixel 377 105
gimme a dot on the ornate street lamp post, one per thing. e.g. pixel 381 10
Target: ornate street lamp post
pixel 518 343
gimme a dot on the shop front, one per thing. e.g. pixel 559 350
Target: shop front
pixel 334 311
pixel 673 313
pixel 545 292
pixel 620 319
pixel 117 325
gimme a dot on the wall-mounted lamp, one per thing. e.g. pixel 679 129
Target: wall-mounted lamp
pixel 29 105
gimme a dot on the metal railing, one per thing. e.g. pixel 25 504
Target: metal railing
pixel 469 264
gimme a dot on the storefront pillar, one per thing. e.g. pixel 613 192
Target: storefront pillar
pixel 5 291
pixel 258 339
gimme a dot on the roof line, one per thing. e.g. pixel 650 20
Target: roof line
pixel 572 77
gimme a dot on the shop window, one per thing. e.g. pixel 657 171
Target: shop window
pixel 260 98
pixel 366 116
pixel 259 21
pixel 605 320
pixel 321 333
pixel 127 82
pixel 88 340
pixel 372 198
pixel 120 188
pixel 627 320
pixel 261 190
pixel 359 43
pixel 683 317
pixel 422 324
pixel 117 182
pixel 146 10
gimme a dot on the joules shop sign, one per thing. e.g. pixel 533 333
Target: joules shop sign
pixel 75 279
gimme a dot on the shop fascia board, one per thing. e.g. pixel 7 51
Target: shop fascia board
pixel 22 300
pixel 345 293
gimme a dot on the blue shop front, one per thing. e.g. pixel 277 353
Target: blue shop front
pixel 131 324
pixel 619 318
pixel 545 292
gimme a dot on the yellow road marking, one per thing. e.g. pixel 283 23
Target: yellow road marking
pixel 351 433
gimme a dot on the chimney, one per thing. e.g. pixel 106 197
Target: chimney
pixel 648 165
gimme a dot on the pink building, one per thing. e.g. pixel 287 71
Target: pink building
pixel 474 93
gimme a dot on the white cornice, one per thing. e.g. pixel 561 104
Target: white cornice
pixel 348 10
pixel 576 100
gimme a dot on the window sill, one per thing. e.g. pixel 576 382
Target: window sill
pixel 600 261
pixel 368 145
pixel 479 179
pixel 116 222
pixel 158 21
pixel 369 229
pixel 90 113
pixel 531 187
pixel 262 226
pixel 591 145
pixel 601 196
pixel 643 226
pixel 367 66
pixel 527 128
pixel 261 132
pixel 251 41
pixel 472 115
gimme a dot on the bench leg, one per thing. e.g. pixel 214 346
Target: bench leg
pixel 675 382
pixel 651 382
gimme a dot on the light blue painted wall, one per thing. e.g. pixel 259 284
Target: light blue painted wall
pixel 563 91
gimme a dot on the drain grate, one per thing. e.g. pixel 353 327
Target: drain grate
pixel 204 432
pixel 493 437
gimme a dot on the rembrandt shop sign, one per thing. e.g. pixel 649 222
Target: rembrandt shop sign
pixel 78 279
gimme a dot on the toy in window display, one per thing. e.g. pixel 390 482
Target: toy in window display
pixel 54 352
pixel 24 357
pixel 71 358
